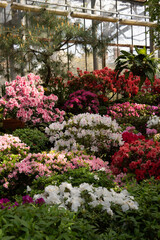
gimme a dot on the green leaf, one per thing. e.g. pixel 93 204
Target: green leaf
pixel 142 51
pixel 127 75
pixel 142 80
pixel 127 54
pixel 120 57
pixel 150 76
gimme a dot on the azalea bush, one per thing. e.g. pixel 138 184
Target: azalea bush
pixel 130 133
pixel 151 88
pixel 12 148
pixel 154 123
pixel 92 132
pixel 24 99
pixel 140 157
pixel 133 113
pixel 16 175
pixel 82 101
pixel 104 83
pixel 127 110
pixel 67 196
pixel 130 136
pixel 77 176
pixel 132 224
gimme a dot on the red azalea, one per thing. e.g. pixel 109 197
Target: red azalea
pixel 141 157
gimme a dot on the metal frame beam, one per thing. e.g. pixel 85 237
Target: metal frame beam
pixel 33 8
pixel 3 4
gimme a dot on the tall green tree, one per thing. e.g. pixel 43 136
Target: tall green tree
pixel 153 7
pixel 41 43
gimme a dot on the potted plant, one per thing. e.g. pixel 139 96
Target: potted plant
pixel 143 65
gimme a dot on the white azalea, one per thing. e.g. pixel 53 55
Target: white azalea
pixel 90 131
pixel 68 196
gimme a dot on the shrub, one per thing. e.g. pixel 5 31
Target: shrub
pixel 77 176
pixel 74 198
pixel 130 136
pixel 82 101
pixel 133 113
pixel 104 83
pixel 140 157
pixel 154 122
pixel 45 222
pixel 146 98
pixel 34 138
pixel 126 111
pixel 12 148
pixel 92 132
pixel 25 100
pixel 15 176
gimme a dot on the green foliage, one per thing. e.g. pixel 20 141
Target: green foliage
pixel 143 65
pixel 41 45
pixel 135 225
pixel 147 98
pixel 43 223
pixel 153 7
pixel 34 138
pixel 75 177
pixel 49 222
pixel 36 42
pixel 12 154
pixel 138 122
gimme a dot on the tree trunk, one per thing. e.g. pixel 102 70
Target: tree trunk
pixel 94 32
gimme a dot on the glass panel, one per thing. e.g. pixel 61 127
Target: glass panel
pixel 78 60
pixel 138 10
pixel 124 34
pixel 110 6
pixel 110 30
pixel 111 56
pixel 124 8
pixel 138 35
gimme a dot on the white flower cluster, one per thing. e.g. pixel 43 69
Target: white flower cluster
pixel 92 132
pixel 72 198
pixel 153 121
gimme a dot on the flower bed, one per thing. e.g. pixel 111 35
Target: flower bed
pixel 101 178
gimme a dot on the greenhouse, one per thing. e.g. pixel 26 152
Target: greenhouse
pixel 80 119
pixel 122 24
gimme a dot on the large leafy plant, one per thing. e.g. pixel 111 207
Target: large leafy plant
pixel 153 8
pixel 143 65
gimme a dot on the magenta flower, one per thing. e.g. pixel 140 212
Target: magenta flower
pixel 40 201
pixel 27 199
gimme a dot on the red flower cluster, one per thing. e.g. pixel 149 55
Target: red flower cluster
pixel 153 89
pixel 141 157
pixel 130 137
pixel 103 82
